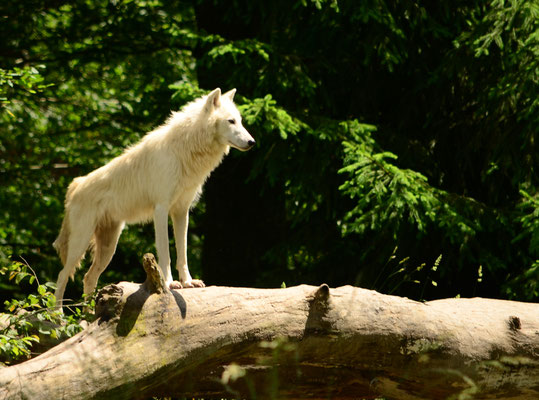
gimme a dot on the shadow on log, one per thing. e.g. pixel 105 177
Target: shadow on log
pixel 300 342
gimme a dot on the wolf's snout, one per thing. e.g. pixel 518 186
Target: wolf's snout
pixel 250 143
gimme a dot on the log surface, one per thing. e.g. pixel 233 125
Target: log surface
pixel 299 342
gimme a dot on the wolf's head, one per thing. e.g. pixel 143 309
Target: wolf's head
pixel 227 120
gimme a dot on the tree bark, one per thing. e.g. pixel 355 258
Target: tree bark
pixel 299 342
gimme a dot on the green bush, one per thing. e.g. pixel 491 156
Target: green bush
pixel 35 318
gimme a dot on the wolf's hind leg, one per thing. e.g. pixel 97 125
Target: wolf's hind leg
pixel 106 239
pixel 81 231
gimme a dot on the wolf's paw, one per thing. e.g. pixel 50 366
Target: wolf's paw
pixel 193 283
pixel 175 285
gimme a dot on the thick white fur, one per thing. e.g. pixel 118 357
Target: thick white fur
pixel 161 175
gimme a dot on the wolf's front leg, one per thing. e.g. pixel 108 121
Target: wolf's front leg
pixel 160 220
pixel 180 220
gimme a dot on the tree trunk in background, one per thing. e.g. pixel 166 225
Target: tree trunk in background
pixel 235 206
pixel 300 342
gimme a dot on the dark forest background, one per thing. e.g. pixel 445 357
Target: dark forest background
pixel 389 133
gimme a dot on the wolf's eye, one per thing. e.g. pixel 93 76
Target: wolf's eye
pixel 232 121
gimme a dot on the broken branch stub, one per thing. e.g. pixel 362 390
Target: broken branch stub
pixel 155 281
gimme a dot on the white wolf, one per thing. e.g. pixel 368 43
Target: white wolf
pixel 161 175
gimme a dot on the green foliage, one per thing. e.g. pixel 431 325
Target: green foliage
pixel 265 111
pixel 429 112
pixel 20 81
pixel 385 194
pixel 388 196
pixel 34 317
pixel 529 219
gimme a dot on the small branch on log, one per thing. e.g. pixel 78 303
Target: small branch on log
pixel 299 342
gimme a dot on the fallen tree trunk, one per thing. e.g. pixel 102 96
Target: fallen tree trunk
pixel 300 342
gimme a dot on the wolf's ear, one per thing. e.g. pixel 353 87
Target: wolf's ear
pixel 230 94
pixel 213 100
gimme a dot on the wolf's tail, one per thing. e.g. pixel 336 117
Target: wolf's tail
pixel 61 242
